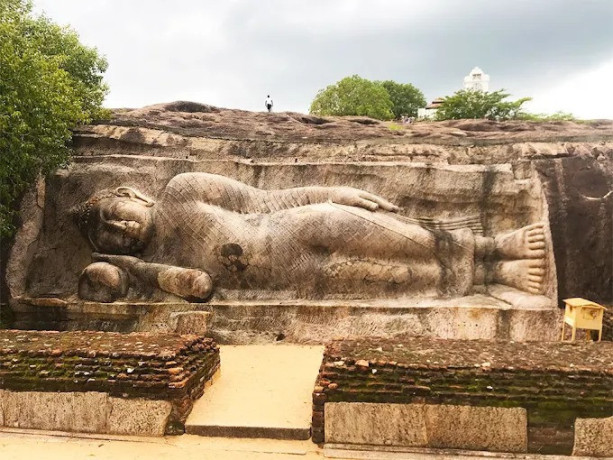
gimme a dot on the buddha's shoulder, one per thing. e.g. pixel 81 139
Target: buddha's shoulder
pixel 196 180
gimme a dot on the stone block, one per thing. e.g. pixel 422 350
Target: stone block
pixel 90 412
pixel 191 322
pixel 45 411
pixel 2 398
pixel 135 416
pixel 10 409
pixel 31 409
pixel 375 423
pixel 477 428
pixel 84 412
pixel 594 437
pixel 463 322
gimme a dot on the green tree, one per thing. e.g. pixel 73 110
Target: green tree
pixel 353 96
pixel 49 83
pixel 406 98
pixel 479 104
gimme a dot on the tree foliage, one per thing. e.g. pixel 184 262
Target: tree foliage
pixel 49 82
pixel 353 96
pixel 480 104
pixel 406 98
pixel 556 116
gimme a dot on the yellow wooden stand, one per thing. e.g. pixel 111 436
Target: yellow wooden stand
pixel 582 314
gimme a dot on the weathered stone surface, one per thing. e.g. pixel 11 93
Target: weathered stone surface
pixel 90 412
pixel 427 425
pixel 244 322
pixel 36 410
pixel 594 437
pixel 2 404
pixel 607 324
pixel 371 423
pixel 579 196
pixel 138 416
pixel 185 124
pixel 193 322
pixel 477 428
pixel 86 412
pixel 66 411
pixel 25 244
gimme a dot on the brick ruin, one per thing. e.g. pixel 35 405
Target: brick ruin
pixel 556 383
pixel 158 367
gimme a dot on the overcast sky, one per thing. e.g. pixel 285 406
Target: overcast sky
pixel 232 53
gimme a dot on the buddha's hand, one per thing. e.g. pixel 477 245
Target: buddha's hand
pixel 188 283
pixel 350 196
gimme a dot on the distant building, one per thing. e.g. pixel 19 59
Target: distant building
pixel 430 110
pixel 477 80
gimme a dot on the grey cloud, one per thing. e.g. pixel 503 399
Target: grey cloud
pixel 234 53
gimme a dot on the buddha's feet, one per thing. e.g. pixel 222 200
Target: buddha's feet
pixel 526 274
pixel 525 243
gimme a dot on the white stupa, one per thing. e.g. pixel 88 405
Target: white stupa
pixel 477 80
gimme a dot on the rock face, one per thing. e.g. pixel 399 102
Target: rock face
pixel 579 195
pixel 484 177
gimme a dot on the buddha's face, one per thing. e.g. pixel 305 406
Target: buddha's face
pixel 121 225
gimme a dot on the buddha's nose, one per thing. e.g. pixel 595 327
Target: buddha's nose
pixel 129 227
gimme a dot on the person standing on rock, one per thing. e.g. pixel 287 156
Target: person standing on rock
pixel 268 103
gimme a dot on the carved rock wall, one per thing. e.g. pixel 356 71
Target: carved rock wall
pixel 504 175
pixel 496 197
pixel 579 193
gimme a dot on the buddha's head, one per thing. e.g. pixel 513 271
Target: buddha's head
pixel 116 221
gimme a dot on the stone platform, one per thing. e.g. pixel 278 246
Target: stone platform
pixel 478 395
pixel 101 382
pixel 264 391
pixel 244 322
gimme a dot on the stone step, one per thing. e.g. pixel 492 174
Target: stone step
pixel 262 391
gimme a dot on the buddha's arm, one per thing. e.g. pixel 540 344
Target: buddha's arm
pixel 348 196
pixel 239 197
pixel 184 282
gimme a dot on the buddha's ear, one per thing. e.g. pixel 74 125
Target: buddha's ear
pixel 126 191
pixel 134 195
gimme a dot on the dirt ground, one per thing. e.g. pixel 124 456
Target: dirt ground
pixel 26 445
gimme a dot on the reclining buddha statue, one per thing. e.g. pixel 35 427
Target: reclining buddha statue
pixel 208 232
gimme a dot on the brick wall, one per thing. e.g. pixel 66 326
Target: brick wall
pixel 167 367
pixel 556 382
